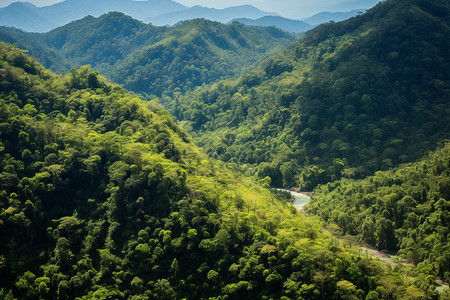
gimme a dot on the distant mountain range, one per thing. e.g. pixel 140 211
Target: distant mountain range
pixel 298 26
pixel 213 14
pixel 290 25
pixel 28 17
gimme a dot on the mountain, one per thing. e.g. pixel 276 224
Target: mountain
pixel 197 52
pixel 104 197
pixel 325 17
pixel 26 16
pixel 30 18
pixel 213 14
pixel 348 99
pixel 154 60
pixel 289 25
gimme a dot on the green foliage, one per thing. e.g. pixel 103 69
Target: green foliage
pixel 112 201
pixel 47 56
pixel 154 60
pixel 347 100
pixel 404 210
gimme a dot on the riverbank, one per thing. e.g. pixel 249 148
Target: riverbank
pixel 300 199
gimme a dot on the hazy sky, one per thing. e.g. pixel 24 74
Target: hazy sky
pixel 287 8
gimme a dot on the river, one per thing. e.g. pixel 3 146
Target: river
pixel 300 199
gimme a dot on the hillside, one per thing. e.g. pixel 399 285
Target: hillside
pixel 150 59
pixel 104 197
pixel 347 100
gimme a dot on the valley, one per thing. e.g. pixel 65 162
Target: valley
pixel 143 162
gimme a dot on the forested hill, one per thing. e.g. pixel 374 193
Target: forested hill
pixel 104 197
pixel 349 99
pixel 150 59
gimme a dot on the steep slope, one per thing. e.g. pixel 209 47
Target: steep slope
pixel 403 210
pixel 150 59
pixel 294 26
pixel 347 100
pixel 104 197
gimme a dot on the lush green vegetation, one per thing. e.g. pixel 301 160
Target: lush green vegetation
pixel 347 100
pixel 104 197
pixel 48 57
pixel 404 210
pixel 153 60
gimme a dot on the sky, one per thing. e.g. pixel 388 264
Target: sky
pixel 35 2
pixel 287 8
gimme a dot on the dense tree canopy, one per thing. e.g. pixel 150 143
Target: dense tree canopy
pixel 149 59
pixel 347 100
pixel 404 210
pixel 104 197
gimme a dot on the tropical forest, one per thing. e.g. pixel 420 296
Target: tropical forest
pixel 148 162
